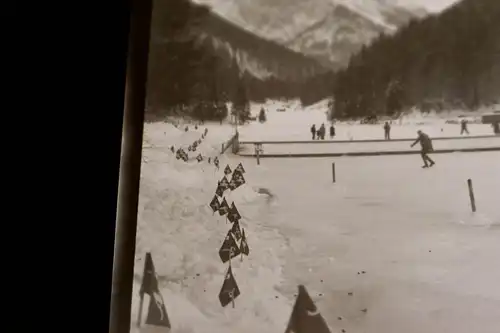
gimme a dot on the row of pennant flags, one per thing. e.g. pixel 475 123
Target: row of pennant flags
pixel 235 243
pixel 305 317
pixel 182 154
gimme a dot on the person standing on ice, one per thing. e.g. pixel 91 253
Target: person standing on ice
pixel 463 125
pixel 387 130
pixel 313 131
pixel 426 144
pixel 322 131
pixel 496 128
pixel 332 132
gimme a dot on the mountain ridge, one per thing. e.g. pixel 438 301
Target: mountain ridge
pixel 259 56
pixel 283 21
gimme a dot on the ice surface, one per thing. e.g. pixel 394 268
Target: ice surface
pixel 370 146
pixel 295 124
pixel 431 265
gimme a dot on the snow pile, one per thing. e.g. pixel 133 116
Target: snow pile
pixel 176 224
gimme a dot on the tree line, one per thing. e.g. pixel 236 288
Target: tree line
pixel 188 76
pixel 442 61
pixel 448 60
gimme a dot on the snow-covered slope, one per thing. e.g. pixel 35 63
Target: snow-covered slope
pixel 329 30
pixel 176 224
pixel 259 56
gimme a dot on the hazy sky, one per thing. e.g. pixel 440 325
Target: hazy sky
pixel 431 5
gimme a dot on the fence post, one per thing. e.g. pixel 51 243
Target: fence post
pixel 333 172
pixel 257 153
pixel 471 195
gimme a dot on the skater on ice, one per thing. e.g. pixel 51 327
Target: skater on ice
pixel 426 144
pixel 387 130
pixel 313 131
pixel 463 125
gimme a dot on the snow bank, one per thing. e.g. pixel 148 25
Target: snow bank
pixel 176 224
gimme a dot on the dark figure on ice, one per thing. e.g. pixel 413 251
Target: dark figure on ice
pixel 313 131
pixel 426 144
pixel 496 128
pixel 332 132
pixel 463 125
pixel 387 130
pixel 322 131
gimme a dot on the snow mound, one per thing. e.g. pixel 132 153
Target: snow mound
pixel 178 227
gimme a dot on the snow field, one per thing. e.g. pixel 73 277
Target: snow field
pixel 176 224
pixel 429 261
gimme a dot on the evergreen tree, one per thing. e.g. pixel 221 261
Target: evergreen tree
pixel 450 59
pixel 173 55
pixel 394 98
pixel 241 104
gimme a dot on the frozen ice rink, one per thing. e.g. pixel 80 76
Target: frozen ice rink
pixel 430 264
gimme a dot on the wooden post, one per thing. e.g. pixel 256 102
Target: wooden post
pixel 257 153
pixel 471 196
pixel 139 315
pixel 333 172
pixel 130 166
pixel 222 151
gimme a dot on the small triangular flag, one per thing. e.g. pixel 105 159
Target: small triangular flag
pixel 240 168
pixel 236 174
pixel 305 316
pixel 149 283
pixel 229 248
pixel 236 230
pixel 219 192
pixel 237 179
pixel 157 312
pixel 215 204
pixel 244 244
pixel 229 291
pixel 227 170
pixel 232 185
pixel 233 214
pixel 224 207
pixel 224 184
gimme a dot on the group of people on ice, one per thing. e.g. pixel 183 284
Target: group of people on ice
pixel 319 134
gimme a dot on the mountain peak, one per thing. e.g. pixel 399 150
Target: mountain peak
pixel 328 30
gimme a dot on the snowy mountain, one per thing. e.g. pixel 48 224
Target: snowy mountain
pixel 256 55
pixel 328 30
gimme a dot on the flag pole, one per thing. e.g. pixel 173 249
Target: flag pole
pixel 130 166
pixel 139 315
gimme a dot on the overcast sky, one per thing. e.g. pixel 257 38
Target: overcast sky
pixel 431 5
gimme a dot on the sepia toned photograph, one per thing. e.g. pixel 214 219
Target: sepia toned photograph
pixel 310 166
